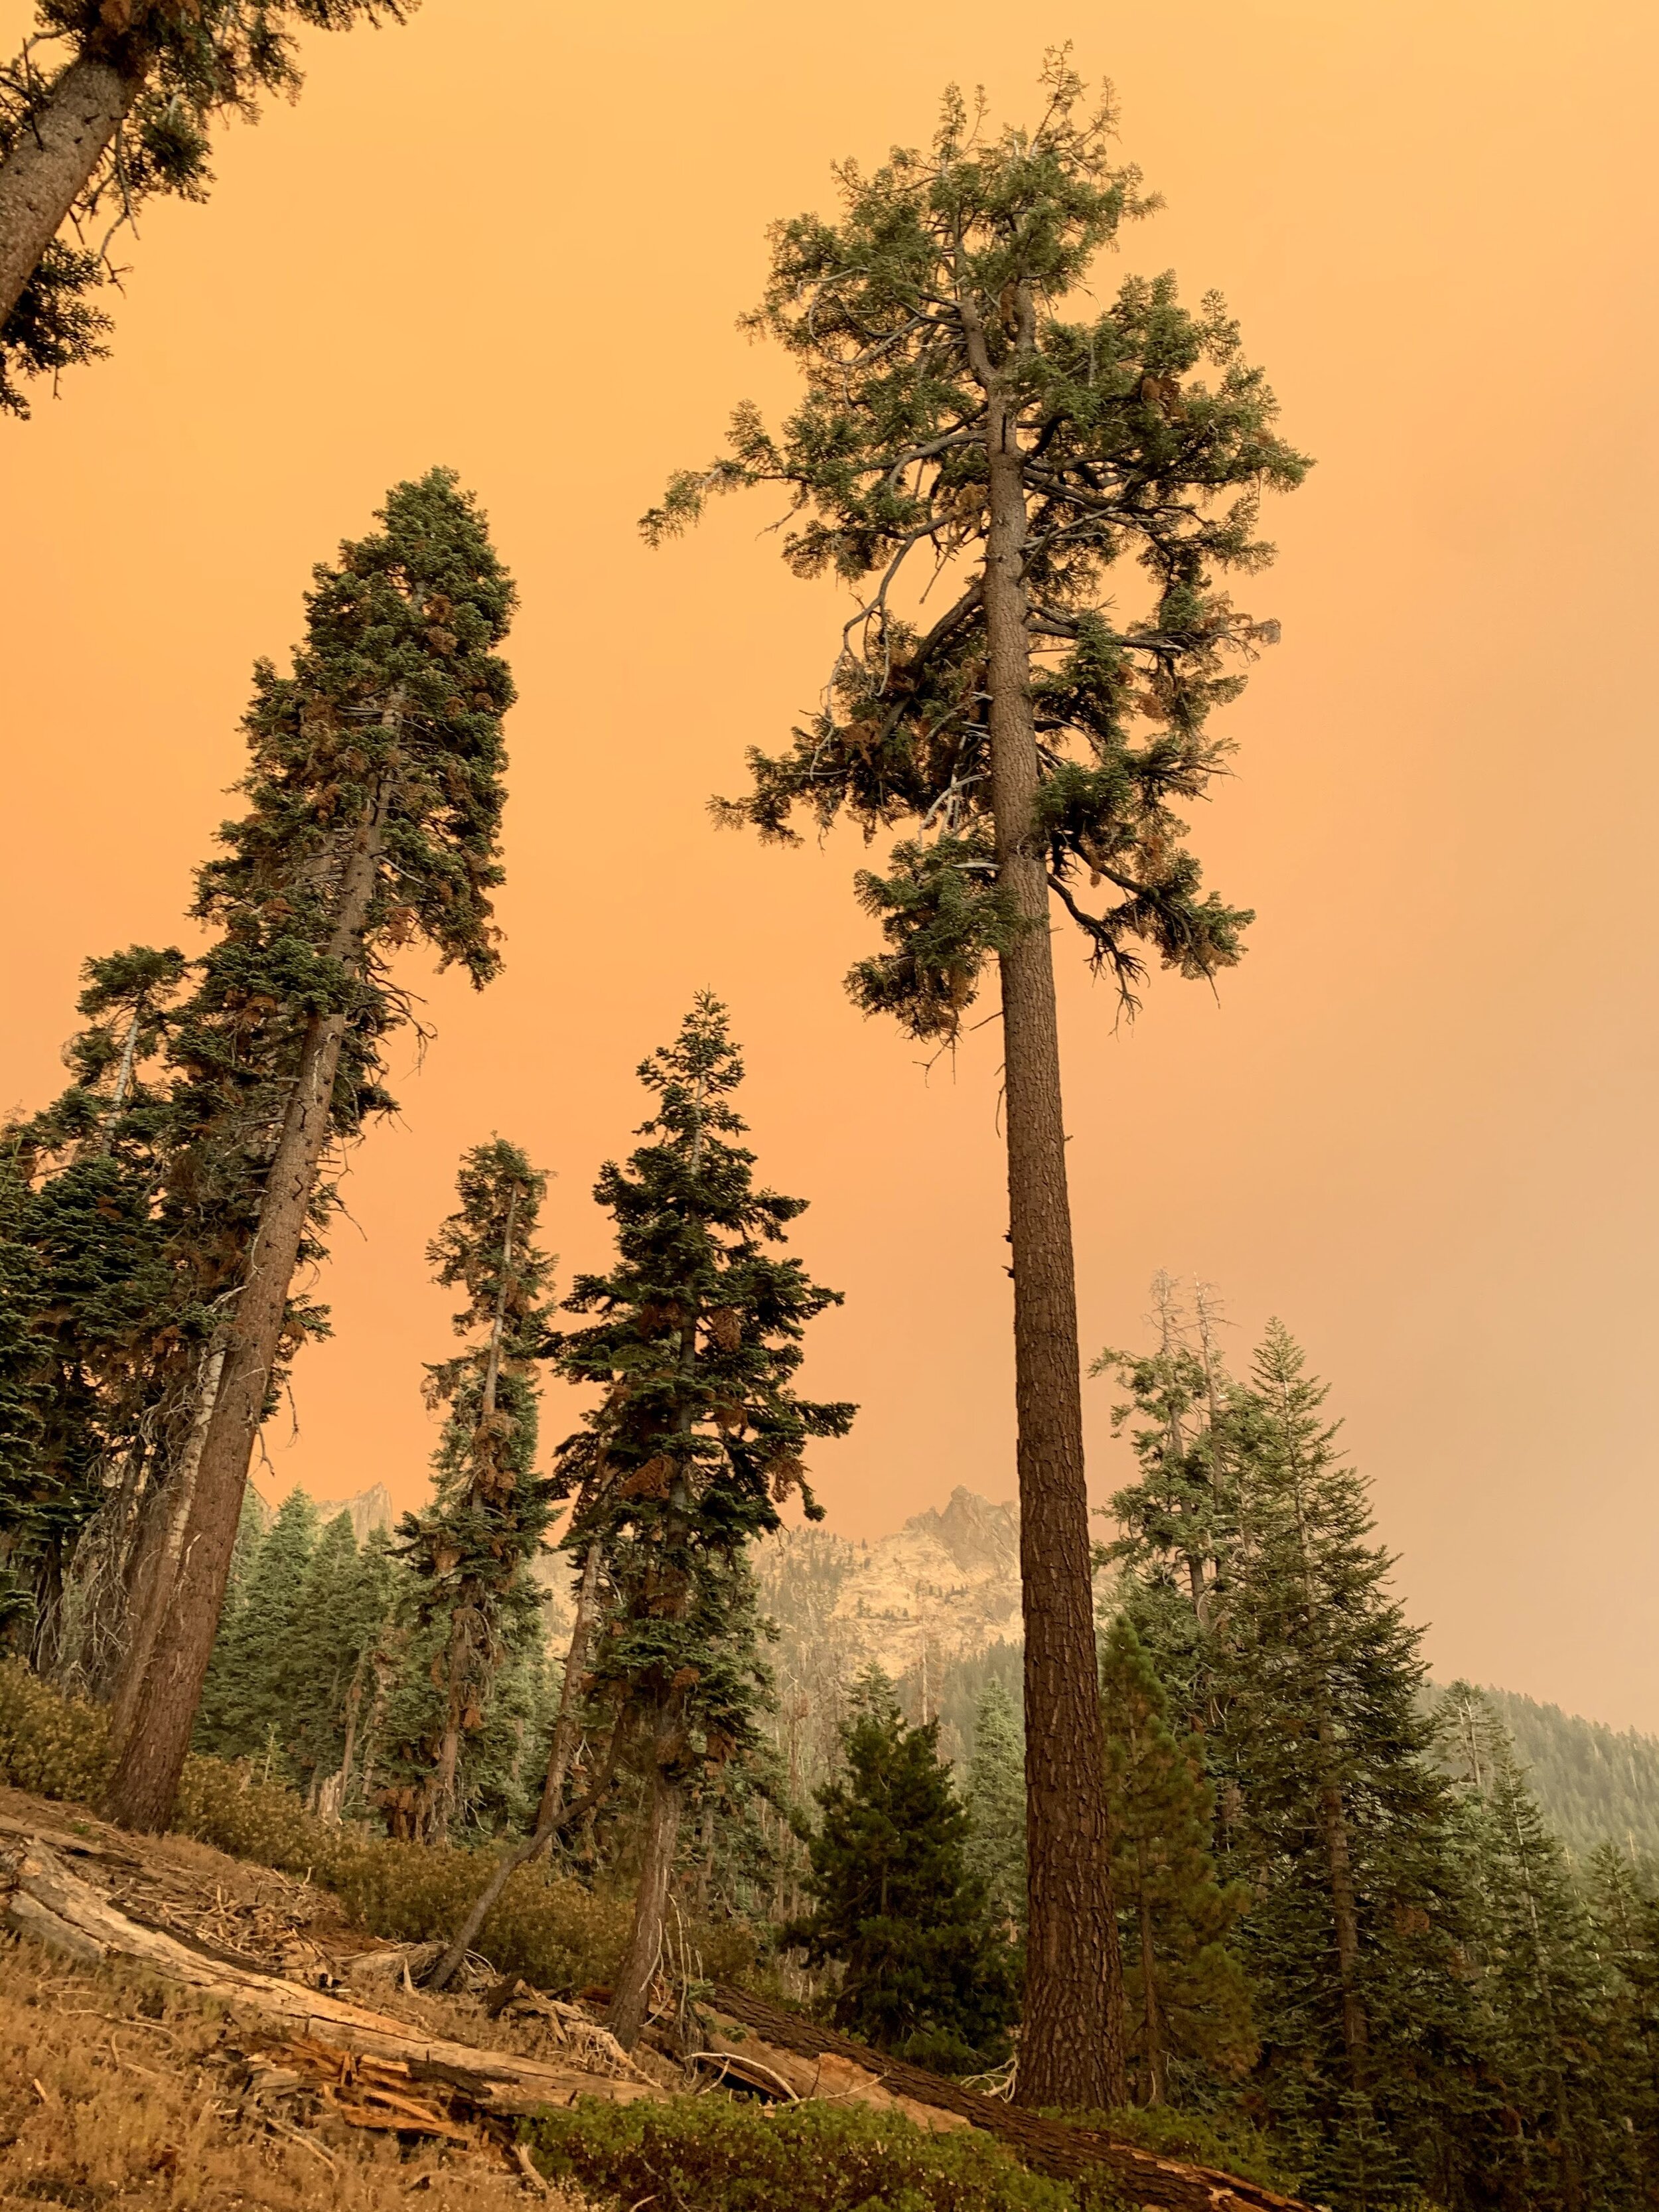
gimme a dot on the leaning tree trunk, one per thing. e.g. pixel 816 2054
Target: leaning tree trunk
pixel 51 163
pixel 631 1999
pixel 161 1546
pixel 1070 2049
pixel 148 1764
pixel 551 1815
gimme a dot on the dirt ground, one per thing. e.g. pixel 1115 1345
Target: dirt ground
pixel 117 2089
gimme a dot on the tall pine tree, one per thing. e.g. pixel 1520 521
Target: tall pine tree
pixel 256 1701
pixel 375 797
pixel 962 416
pixel 111 1316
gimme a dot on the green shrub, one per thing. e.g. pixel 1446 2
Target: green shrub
pixel 711 2155
pixel 1218 2139
pixel 54 1745
pixel 546 1927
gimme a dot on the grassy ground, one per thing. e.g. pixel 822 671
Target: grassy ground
pixel 117 2091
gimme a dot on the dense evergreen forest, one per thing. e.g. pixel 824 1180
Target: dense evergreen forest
pixel 1202 1848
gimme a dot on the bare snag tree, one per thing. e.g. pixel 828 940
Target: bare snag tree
pixel 966 424
pixel 376 799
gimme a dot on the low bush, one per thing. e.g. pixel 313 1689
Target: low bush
pixel 710 2154
pixel 1218 2139
pixel 547 1927
pixel 54 1745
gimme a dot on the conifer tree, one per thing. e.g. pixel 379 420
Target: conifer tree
pixel 120 112
pixel 995 1803
pixel 375 797
pixel 1177 1523
pixel 255 1701
pixel 1344 1825
pixel 1553 2042
pixel 1625 1912
pixel 327 1650
pixel 959 410
pixel 1187 2005
pixel 927 1974
pixel 471 1551
pixel 108 1316
pixel 697 1341
pixel 375 1640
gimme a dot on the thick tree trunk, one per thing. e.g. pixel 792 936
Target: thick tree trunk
pixel 162 1541
pixel 148 1766
pixel 631 1999
pixel 52 163
pixel 1071 2040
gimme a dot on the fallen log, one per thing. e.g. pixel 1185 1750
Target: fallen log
pixel 1145 2178
pixel 45 1900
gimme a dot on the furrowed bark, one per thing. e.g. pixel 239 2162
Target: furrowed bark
pixel 52 163
pixel 631 1999
pixel 163 1542
pixel 1072 2039
pixel 148 1766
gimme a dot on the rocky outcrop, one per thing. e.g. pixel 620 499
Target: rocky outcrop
pixel 941 1587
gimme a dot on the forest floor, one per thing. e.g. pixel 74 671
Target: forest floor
pixel 118 2086
pixel 188 2032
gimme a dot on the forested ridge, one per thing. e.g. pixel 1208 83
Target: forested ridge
pixel 1198 1861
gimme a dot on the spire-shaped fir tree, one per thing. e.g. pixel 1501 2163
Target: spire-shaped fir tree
pixel 1343 1824
pixel 926 1971
pixel 256 1698
pixel 474 1602
pixel 1176 1523
pixel 374 800
pixel 699 1440
pixel 1544 1985
pixel 1625 1912
pixel 110 1307
pixel 1187 2006
pixel 994 1799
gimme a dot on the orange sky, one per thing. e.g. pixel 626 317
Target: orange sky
pixel 1418 1122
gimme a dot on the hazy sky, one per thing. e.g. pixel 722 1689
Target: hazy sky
pixel 1417 1123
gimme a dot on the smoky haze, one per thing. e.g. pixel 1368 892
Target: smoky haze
pixel 1416 1124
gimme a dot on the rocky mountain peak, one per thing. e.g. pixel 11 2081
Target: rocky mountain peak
pixel 981 1538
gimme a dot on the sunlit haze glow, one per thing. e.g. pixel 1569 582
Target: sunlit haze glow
pixel 1417 1123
